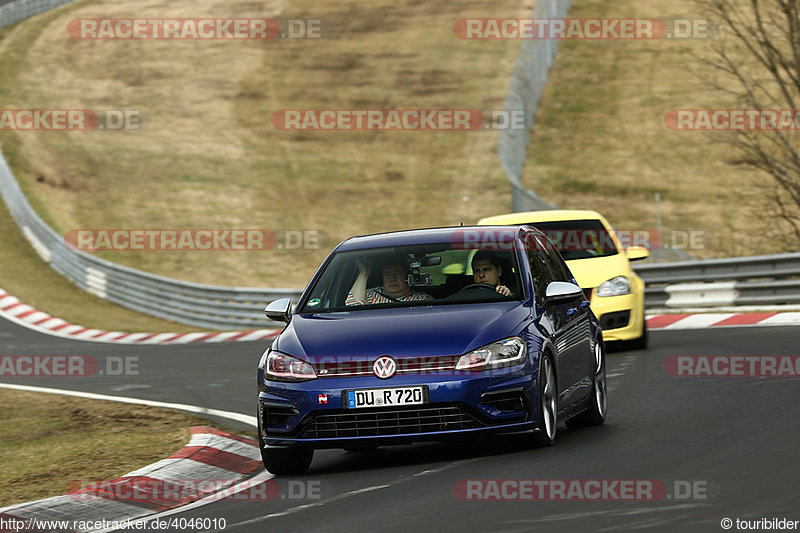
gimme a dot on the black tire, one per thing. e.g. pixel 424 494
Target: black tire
pixel 287 461
pixel 595 415
pixel 548 403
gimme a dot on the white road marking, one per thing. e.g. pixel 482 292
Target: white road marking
pixel 608 512
pixel 225 444
pixel 699 321
pixel 222 336
pixel 18 310
pixel 343 496
pixel 782 319
pixel 35 317
pixel 250 420
pixel 246 419
pixel 308 506
pixel 187 338
pixel 244 485
pixel 47 326
pixel 172 469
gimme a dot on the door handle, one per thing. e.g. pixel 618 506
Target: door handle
pixel 571 311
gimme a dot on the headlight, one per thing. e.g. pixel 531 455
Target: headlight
pixel 281 367
pixel 614 287
pixel 501 353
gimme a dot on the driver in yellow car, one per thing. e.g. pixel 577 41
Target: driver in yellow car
pixel 486 268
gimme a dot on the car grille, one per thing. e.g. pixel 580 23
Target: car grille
pixel 379 422
pixel 407 365
pixel 618 319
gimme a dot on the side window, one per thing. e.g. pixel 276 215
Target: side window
pixel 537 258
pixel 556 263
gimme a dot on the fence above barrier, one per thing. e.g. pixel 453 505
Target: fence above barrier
pixel 535 58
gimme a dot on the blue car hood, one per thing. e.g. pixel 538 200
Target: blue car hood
pixel 402 332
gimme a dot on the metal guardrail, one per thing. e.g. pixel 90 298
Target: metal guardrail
pixel 189 303
pixel 756 280
pixel 737 268
pixel 762 280
pixel 17 10
pixel 535 58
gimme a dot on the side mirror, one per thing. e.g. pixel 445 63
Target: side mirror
pixel 562 290
pixel 636 253
pixel 280 310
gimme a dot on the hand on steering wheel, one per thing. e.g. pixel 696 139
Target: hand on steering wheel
pixel 499 289
pixel 478 286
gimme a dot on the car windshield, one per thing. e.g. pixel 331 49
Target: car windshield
pixel 418 275
pixel 579 239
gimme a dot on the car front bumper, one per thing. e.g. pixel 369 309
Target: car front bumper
pixel 313 413
pixel 614 311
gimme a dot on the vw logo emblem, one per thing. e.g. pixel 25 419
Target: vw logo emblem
pixel 384 367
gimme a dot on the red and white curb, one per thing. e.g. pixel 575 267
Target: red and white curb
pixel 211 454
pixel 25 315
pixel 15 311
pixel 718 320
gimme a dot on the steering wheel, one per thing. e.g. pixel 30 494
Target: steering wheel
pixel 478 286
pixel 391 298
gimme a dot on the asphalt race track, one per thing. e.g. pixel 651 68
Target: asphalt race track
pixel 735 438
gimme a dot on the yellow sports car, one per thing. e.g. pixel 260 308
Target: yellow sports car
pixel 600 264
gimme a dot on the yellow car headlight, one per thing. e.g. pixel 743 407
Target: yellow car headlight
pixel 614 287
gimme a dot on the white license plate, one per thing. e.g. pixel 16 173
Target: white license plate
pixel 385 397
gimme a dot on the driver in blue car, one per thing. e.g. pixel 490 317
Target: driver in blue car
pixel 486 268
pixel 395 286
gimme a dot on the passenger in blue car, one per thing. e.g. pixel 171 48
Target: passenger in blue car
pixel 395 286
pixel 487 268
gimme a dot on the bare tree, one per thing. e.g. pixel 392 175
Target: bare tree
pixel 756 59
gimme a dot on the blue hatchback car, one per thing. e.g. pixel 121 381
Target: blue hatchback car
pixel 430 335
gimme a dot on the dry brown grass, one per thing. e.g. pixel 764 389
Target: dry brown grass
pixel 26 276
pixel 601 141
pixel 50 441
pixel 211 158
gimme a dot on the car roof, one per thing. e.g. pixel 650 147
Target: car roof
pixel 551 215
pixel 419 236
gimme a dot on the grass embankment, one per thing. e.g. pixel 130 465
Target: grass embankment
pixel 50 442
pixel 26 276
pixel 601 140
pixel 211 158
